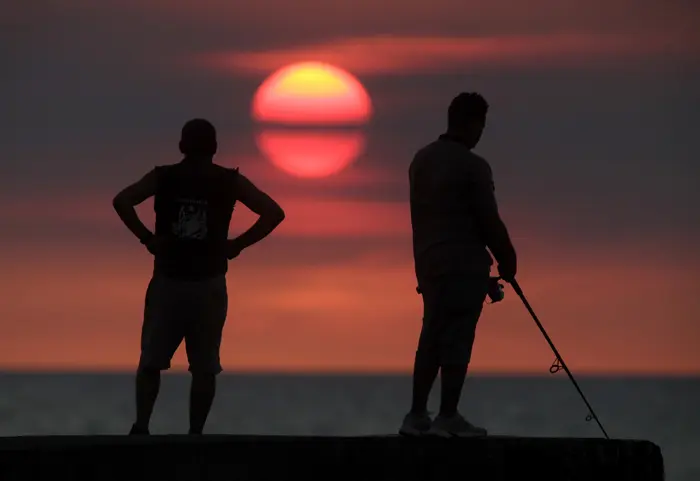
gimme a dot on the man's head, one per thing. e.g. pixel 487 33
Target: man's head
pixel 198 139
pixel 466 117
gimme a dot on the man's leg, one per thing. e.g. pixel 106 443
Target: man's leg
pixel 425 367
pixel 425 370
pixel 451 383
pixel 203 342
pixel 202 392
pixel 161 335
pixel 427 361
pixel 461 305
pixel 147 387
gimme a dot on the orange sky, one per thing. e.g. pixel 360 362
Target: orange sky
pixel 79 306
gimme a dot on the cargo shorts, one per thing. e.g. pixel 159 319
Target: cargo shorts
pixel 452 305
pixel 190 310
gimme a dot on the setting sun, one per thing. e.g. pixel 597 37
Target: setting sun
pixel 312 93
pixel 313 154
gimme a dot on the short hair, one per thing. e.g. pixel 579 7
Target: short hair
pixel 465 107
pixel 198 137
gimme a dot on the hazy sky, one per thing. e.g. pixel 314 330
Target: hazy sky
pixel 593 109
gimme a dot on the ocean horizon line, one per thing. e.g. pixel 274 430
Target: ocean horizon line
pixel 270 373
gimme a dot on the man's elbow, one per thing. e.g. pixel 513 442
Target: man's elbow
pixel 278 215
pixel 120 202
pixel 274 215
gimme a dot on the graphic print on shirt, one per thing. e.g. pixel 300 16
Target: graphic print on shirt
pixel 192 220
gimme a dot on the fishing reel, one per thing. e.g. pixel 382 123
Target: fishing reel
pixel 495 290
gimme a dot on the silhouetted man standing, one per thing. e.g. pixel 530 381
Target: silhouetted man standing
pixel 187 296
pixel 455 219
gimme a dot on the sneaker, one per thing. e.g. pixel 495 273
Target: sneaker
pixel 137 431
pixel 455 426
pixel 415 424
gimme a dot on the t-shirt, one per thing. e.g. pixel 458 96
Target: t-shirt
pixel 454 214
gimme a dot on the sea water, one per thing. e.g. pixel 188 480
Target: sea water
pixel 663 410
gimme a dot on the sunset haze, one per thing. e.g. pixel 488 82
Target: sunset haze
pixel 594 108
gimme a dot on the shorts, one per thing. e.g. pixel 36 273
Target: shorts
pixel 182 309
pixel 452 305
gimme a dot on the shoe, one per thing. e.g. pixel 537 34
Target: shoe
pixel 455 426
pixel 415 424
pixel 137 431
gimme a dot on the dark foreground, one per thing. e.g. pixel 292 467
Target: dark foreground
pixel 242 458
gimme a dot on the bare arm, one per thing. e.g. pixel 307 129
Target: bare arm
pixel 270 212
pixel 488 218
pixel 126 201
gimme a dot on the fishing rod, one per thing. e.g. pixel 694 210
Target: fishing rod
pixel 558 363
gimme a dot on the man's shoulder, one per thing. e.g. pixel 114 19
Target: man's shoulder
pixel 225 174
pixel 168 169
pixel 452 151
pixel 162 167
pixel 479 163
pixel 208 173
pixel 423 153
pixel 224 170
pixel 160 172
pixel 447 149
pixel 478 158
pixel 427 149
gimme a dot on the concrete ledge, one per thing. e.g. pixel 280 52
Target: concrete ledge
pixel 243 458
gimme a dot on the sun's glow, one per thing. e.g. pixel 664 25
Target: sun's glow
pixel 312 93
pixel 313 154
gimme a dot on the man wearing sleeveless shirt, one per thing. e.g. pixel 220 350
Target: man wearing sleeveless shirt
pixel 187 296
pixel 455 219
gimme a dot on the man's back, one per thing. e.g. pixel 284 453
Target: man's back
pixel 448 184
pixel 193 203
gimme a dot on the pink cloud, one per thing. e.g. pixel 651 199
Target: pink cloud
pixel 387 54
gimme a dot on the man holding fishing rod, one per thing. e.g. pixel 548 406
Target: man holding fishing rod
pixel 455 219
